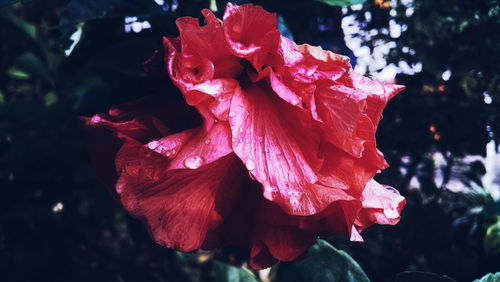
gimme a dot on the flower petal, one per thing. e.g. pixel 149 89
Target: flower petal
pixel 194 148
pixel 338 167
pixel 205 41
pixel 381 205
pixel 379 93
pixel 269 137
pixel 339 110
pixel 179 206
pixel 245 28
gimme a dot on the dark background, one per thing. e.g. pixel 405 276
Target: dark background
pixel 58 223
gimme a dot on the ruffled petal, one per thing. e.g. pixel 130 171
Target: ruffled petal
pixel 178 207
pixel 339 111
pixel 279 87
pixel 260 257
pixel 381 205
pixel 338 167
pixel 281 233
pixel 213 96
pixel 246 27
pixel 327 64
pixel 194 148
pixel 379 93
pixel 269 137
pixel 205 41
pixel 141 120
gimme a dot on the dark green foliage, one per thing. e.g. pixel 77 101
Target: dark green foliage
pixel 323 263
pixel 57 223
pixel 490 277
pixel 418 276
pixel 342 3
pixel 229 273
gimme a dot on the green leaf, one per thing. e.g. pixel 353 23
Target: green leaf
pixel 492 238
pixel 342 3
pixel 420 276
pixel 17 73
pixel 490 277
pixel 50 99
pixel 9 2
pixel 323 263
pixel 228 273
pixel 30 63
pixel 23 31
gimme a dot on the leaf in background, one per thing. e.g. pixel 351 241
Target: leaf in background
pixel 221 4
pixel 492 238
pixel 323 263
pixel 8 2
pixel 78 11
pixel 283 28
pixel 82 10
pixel 490 277
pixel 125 56
pixel 420 276
pixel 31 64
pixel 50 99
pixel 23 31
pixel 342 3
pixel 17 73
pixel 228 273
pixel 2 98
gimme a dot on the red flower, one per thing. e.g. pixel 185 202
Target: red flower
pixel 285 150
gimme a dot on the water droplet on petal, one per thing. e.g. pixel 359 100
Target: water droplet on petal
pixel 208 141
pixel 392 190
pixel 152 145
pixel 250 165
pixel 170 153
pixel 294 102
pixel 193 162
pixel 231 114
pixel 95 119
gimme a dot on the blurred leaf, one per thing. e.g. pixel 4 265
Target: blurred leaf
pixel 492 238
pixel 17 73
pixel 8 2
pixel 23 31
pixel 490 277
pixel 82 10
pixel 420 276
pixel 228 273
pixel 323 263
pixel 221 4
pixel 78 11
pixel 342 3
pixel 50 99
pixel 126 56
pixel 31 64
pixel 283 28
